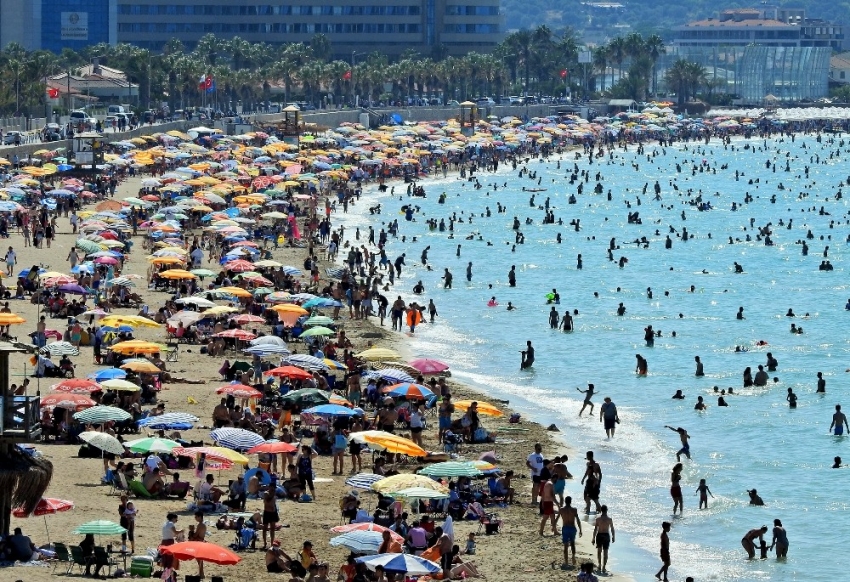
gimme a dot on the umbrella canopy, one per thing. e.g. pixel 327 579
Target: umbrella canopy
pixel 141 366
pixel 403 481
pixel 237 439
pixel 451 469
pixel 367 526
pixel 266 340
pixel 400 563
pixel 483 407
pixel 47 506
pixel 319 320
pixel 409 391
pixel 133 346
pixel 290 372
pixel 391 374
pixel 307 396
pixel 60 349
pixel 267 350
pixel 203 551
pixel 151 445
pixel 11 319
pixel 67 401
pixel 359 541
pixel 102 414
pixel 100 527
pixel 420 493
pixel 107 374
pixel 169 421
pixel 76 385
pixel 239 334
pixel 390 442
pixel 362 481
pixel 428 366
pixel 212 453
pixel 131 320
pixel 272 448
pixel 120 384
pixel 308 362
pixel 331 409
pixel 104 442
pixel 378 355
pixel 240 391
pixel 316 331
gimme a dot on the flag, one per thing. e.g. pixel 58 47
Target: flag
pixel 346 76
pixel 210 85
pixel 53 93
pixel 202 82
pixel 563 73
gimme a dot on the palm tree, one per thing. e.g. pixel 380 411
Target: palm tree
pixel 600 63
pixel 617 54
pixel 321 47
pixel 654 49
pixel 686 77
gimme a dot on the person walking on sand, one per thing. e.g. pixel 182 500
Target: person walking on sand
pixel 748 541
pixel 535 464
pixel 665 551
pixel 271 517
pixel 684 436
pixel 603 536
pixel 570 525
pixel 588 394
pixel 839 422
pixel 547 505
pixel 608 415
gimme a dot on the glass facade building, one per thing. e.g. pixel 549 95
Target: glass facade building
pixel 74 24
pixel 787 73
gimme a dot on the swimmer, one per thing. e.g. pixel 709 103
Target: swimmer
pixel 678 395
pixel 511 306
pixel 839 422
pixel 683 436
pixel 493 302
pixel 755 498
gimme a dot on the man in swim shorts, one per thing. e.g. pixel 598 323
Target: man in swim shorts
pixel 571 523
pixel 839 422
pixel 683 436
pixel 665 551
pixel 547 505
pixel 603 537
pixel 608 413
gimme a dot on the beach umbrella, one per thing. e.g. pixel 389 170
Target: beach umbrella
pixel 177 274
pixel 319 320
pixel 265 340
pixel 104 442
pixel 203 551
pixel 76 385
pixel 428 366
pixel 362 481
pixel 390 485
pixel 46 506
pixel 203 273
pixel 359 541
pixel 392 443
pixel 73 288
pixel 237 439
pixel 100 527
pixel 367 527
pixel 378 354
pixel 307 397
pixel 67 401
pixel 289 308
pixel 131 320
pixel 272 447
pixel 408 390
pixel 267 350
pixel 331 410
pixel 334 365
pixel 196 301
pixel 121 282
pixel 212 453
pixel 239 334
pixel 107 374
pixel 308 362
pixel 240 391
pixel 87 246
pixel 121 385
pixel 420 493
pixel 60 349
pixel 290 372
pixel 483 407
pixel 391 374
pixel 151 445
pixel 401 563
pixel 317 331
pixel 451 469
pixel 246 318
pixel 11 319
pixel 135 346
pixel 102 414
pixel 320 302
pixel 142 367
pixel 169 421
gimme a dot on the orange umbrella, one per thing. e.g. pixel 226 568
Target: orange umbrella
pixel 273 448
pixel 203 551
pixel 290 372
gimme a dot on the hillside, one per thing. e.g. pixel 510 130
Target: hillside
pixel 639 15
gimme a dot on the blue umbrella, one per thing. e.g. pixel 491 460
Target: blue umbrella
pixel 108 374
pixel 363 480
pixel 391 374
pixel 331 409
pixel 401 563
pixel 359 541
pixel 169 421
pixel 237 439
pixel 409 390
pixel 262 475
pixel 321 302
pixel 26 272
pixel 309 362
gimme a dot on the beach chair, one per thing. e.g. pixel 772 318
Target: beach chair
pixel 119 483
pixel 141 566
pixel 63 556
pixel 489 522
pixel 172 352
pixel 77 559
pixel 138 489
pixel 102 559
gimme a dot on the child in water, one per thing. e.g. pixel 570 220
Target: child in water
pixel 704 492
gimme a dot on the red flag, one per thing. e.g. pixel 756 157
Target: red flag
pixel 347 76
pixel 53 93
pixel 209 82
pixel 563 73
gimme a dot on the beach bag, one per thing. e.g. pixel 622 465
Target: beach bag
pixel 514 419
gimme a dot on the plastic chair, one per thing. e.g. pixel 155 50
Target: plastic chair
pixel 63 556
pixel 138 489
pixel 77 559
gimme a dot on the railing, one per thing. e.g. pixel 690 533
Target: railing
pixel 20 417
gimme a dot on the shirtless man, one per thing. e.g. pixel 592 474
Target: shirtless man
pixel 748 541
pixel 571 523
pixel 593 468
pixel 547 503
pixel 270 514
pixel 221 415
pixel 277 562
pixel 603 537
pixel 588 394
pixel 839 422
pixel 683 436
pixel 665 551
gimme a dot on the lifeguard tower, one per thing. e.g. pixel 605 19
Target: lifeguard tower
pixel 88 150
pixel 290 128
pixel 468 117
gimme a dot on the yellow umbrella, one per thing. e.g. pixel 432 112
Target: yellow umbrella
pixel 141 367
pixel 378 354
pixel 219 310
pixel 406 481
pixel 11 319
pixel 290 308
pixel 131 320
pixel 177 274
pixel 392 443
pixel 166 260
pixel 119 384
pixel 136 347
pixel 483 407
pixel 238 291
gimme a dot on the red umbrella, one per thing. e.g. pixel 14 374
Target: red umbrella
pixel 240 391
pixel 77 385
pixel 273 448
pixel 72 401
pixel 204 551
pixel 239 334
pixel 239 266
pixel 246 318
pixel 290 372
pixel 428 366
pixel 47 506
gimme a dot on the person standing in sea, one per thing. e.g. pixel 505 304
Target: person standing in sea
pixel 608 415
pixel 839 422
pixel 527 356
pixel 780 539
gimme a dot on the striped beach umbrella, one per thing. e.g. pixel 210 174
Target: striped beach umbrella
pixel 408 390
pixel 102 414
pixel 363 481
pixel 151 445
pixel 267 350
pixel 169 421
pixel 401 563
pixel 60 349
pixel 359 541
pixel 100 527
pixel 104 442
pixel 237 439
pixel 308 362
pixel 391 374
pixel 451 469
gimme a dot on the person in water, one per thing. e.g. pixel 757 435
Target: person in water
pixel 588 394
pixel 839 422
pixel 527 356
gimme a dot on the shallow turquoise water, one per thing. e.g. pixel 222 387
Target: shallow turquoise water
pixel 757 442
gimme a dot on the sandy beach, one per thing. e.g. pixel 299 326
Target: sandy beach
pixel 518 553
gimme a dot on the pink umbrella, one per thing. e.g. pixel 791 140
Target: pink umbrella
pixel 245 318
pixel 46 506
pixel 239 334
pixel 428 366
pixel 106 261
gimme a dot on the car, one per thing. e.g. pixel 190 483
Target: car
pixel 453 103
pixel 485 102
pixel 12 136
pixel 517 100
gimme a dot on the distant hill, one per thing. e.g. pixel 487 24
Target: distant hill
pixel 599 20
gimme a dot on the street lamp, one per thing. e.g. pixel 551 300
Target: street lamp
pixel 351 79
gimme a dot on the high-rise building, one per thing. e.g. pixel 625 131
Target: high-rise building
pixel 389 26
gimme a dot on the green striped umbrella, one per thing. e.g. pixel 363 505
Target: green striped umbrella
pixel 100 527
pixel 151 445
pixel 203 273
pixel 319 320
pixel 317 331
pixel 451 469
pixel 88 246
pixel 101 414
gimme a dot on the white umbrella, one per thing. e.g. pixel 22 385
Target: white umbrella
pixel 103 441
pixel 265 340
pixel 199 301
pixel 60 349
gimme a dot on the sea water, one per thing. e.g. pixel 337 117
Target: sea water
pixel 757 441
